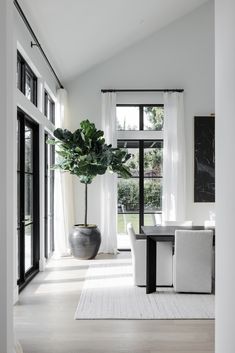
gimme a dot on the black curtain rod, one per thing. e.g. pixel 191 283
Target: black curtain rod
pixel 143 90
pixel 24 18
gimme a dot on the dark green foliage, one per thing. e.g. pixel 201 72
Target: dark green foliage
pixel 128 195
pixel 155 117
pixel 152 195
pixel 85 154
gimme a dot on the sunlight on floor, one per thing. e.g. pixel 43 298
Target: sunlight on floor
pixel 115 274
pixel 67 274
pixel 44 317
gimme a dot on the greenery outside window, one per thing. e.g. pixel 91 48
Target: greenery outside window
pixel 140 130
pixel 140 117
pixel 140 197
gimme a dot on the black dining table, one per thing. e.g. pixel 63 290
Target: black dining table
pixel 153 235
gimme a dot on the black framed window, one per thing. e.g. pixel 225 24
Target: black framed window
pixel 140 130
pixel 140 197
pixel 26 79
pixel 49 107
pixel 141 117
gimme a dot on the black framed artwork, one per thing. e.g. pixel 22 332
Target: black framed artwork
pixel 204 159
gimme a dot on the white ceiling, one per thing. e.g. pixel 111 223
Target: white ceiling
pixel 78 34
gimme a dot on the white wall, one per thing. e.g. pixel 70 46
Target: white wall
pixel 22 42
pixel 179 56
pixel 225 174
pixel 7 90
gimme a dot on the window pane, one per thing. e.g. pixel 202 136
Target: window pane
pixel 132 148
pixel 18 78
pixel 18 200
pixel 124 218
pixel 28 149
pixel 128 118
pixel 28 86
pixel 18 145
pixel 153 118
pixel 49 107
pixel 52 112
pixel 128 195
pixel 133 162
pixel 18 252
pixel 45 104
pixel 28 198
pixel 153 157
pixel 151 219
pixel 152 194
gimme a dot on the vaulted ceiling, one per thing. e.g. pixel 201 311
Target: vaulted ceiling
pixel 79 34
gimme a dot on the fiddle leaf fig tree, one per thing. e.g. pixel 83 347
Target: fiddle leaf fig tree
pixel 85 154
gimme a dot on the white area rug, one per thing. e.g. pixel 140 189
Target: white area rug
pixel 109 293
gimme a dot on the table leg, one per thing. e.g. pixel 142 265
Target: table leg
pixel 151 259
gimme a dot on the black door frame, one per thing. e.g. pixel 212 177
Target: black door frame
pixel 25 277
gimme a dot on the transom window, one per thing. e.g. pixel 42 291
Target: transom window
pixel 140 117
pixel 26 79
pixel 49 107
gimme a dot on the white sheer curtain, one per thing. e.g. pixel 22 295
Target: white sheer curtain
pixel 109 181
pixel 174 168
pixel 63 199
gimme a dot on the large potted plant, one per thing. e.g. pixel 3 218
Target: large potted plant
pixel 85 154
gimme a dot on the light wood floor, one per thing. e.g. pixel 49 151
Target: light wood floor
pixel 44 321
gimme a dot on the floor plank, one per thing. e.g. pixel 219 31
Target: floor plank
pixel 44 321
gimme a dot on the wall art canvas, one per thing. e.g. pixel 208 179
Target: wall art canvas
pixel 204 159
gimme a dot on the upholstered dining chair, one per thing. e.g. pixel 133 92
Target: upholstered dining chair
pixel 192 261
pixel 164 260
pixel 210 224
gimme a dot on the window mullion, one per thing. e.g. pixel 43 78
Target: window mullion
pixel 141 118
pixel 141 183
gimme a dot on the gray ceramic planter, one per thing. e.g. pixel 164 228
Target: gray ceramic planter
pixel 85 241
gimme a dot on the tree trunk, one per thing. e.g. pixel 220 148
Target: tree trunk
pixel 85 223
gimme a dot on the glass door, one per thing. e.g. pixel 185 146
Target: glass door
pixel 140 197
pixel 151 195
pixel 28 199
